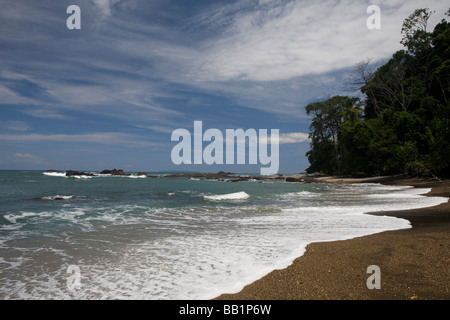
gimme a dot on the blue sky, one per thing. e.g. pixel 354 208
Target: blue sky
pixel 110 95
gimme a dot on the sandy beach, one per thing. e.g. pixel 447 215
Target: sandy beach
pixel 414 263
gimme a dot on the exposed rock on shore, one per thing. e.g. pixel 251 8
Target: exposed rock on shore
pixel 218 175
pixel 72 173
pixel 301 179
pixel 114 172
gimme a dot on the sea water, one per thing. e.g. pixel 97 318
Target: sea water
pixel 132 237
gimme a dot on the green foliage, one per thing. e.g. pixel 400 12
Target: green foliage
pixel 328 117
pixel 403 125
pixel 414 31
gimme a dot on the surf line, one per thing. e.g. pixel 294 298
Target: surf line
pixel 213 153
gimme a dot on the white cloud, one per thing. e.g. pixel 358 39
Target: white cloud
pixel 296 38
pixel 14 125
pixel 27 157
pixel 279 49
pixel 106 138
pixel 11 97
pixel 24 156
pixel 46 114
pixel 293 137
pixel 161 129
pixel 105 6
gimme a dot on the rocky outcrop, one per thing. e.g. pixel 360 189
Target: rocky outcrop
pixel 240 179
pixel 114 172
pixel 71 173
pixel 300 179
pixel 218 175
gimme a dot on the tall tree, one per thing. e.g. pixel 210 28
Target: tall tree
pixel 414 31
pixel 405 124
pixel 328 117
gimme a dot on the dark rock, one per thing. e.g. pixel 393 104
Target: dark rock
pixel 300 179
pixel 117 172
pixel 71 173
pixel 114 172
pixel 240 179
pixel 221 174
pixel 218 175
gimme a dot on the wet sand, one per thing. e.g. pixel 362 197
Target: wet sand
pixel 414 263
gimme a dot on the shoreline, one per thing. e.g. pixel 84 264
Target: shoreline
pixel 414 263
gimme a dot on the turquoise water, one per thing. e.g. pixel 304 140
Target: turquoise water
pixel 171 238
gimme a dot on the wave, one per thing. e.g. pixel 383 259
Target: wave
pixel 25 214
pixel 229 196
pixel 55 174
pixel 57 197
pixel 135 176
pixel 82 177
pixel 63 175
pixel 298 195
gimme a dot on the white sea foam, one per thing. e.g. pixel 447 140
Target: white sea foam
pixel 82 177
pixel 24 214
pixel 229 196
pixel 57 197
pixel 135 176
pixel 55 174
pixel 200 251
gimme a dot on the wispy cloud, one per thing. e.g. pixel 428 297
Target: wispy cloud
pixel 103 138
pixel 14 125
pixel 155 65
pixel 27 156
pixel 281 40
pixel 105 6
pixel 293 137
pixel 161 129
pixel 46 114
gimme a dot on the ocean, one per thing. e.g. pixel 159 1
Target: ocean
pixel 133 237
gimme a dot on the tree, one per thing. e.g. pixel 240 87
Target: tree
pixel 414 31
pixel 363 76
pixel 403 123
pixel 328 117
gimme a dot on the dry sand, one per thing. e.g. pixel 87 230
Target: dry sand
pixel 414 263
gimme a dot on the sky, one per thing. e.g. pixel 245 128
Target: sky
pixel 109 95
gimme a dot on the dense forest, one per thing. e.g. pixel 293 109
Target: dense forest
pixel 402 125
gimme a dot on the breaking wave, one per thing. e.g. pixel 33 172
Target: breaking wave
pixel 229 196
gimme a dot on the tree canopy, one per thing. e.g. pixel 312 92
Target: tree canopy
pixel 403 123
